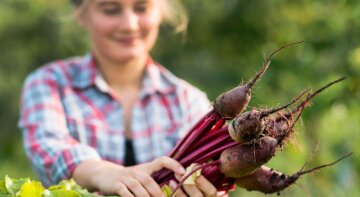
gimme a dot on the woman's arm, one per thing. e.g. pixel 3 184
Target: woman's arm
pixel 48 144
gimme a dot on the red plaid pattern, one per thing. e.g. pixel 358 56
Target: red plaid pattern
pixel 69 114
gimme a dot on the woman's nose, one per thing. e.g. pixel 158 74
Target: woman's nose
pixel 129 21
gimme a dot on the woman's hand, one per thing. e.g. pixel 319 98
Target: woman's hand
pixel 110 178
pixel 202 188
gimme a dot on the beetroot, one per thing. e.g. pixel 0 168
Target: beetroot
pixel 267 180
pixel 234 101
pixel 281 127
pixel 251 124
pixel 231 147
pixel 239 160
pixel 244 158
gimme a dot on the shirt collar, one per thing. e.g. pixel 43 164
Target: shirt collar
pixel 87 73
pixel 157 79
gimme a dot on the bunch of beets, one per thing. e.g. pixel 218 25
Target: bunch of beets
pixel 230 146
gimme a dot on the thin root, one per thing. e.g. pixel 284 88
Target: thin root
pixel 267 63
pixel 302 171
pixel 309 97
pixel 271 111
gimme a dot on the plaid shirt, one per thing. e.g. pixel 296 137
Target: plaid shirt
pixel 69 114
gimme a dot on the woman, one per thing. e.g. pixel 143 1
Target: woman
pixel 107 119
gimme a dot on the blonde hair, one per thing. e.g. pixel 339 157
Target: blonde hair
pixel 173 13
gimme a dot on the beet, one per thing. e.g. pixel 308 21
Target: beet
pixel 244 158
pixel 281 127
pixel 267 180
pixel 234 101
pixel 251 124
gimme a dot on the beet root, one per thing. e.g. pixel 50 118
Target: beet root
pixel 234 101
pixel 244 158
pixel 239 160
pixel 281 127
pixel 267 180
pixel 247 126
pixel 251 124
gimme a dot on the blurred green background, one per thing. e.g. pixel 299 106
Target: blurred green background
pixel 225 44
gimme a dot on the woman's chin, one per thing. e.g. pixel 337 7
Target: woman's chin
pixel 128 57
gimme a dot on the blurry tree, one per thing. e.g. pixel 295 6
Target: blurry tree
pixel 225 44
pixel 31 34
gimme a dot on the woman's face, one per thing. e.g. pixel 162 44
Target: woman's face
pixel 121 30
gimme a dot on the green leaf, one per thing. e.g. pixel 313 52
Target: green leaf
pixel 13 186
pixel 2 187
pixel 61 193
pixel 31 189
pixel 73 186
pixel 69 184
pixel 167 191
pixel 56 187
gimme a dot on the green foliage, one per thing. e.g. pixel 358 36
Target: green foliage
pixel 29 188
pixel 224 45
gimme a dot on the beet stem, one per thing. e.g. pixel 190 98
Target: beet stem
pixel 196 134
pixel 196 126
pixel 199 151
pixel 212 136
pixel 213 153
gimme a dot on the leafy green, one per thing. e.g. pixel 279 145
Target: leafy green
pixel 31 189
pixel 167 191
pixel 13 185
pixel 2 187
pixel 28 188
pixel 61 193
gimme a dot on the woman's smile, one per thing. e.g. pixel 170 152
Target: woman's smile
pixel 127 40
pixel 122 31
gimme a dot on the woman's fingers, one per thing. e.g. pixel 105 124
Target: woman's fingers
pixel 136 187
pixel 168 163
pixel 202 188
pixel 207 188
pixel 192 190
pixel 179 192
pixel 122 190
pixel 149 184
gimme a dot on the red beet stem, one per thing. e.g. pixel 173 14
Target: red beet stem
pixel 196 126
pixel 211 136
pixel 215 152
pixel 199 156
pixel 195 135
